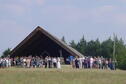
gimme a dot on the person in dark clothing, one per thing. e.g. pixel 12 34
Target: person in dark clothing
pixel 46 62
pixel 54 60
pixel 77 63
pixel 50 62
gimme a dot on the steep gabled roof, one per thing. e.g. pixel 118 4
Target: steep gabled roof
pixel 56 40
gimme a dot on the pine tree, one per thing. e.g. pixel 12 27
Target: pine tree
pixel 81 46
pixel 73 44
pixel 107 48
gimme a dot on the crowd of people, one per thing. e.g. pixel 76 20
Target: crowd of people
pixel 31 62
pixel 90 62
pixel 87 62
pixel 5 62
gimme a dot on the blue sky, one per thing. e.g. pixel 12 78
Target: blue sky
pixel 69 18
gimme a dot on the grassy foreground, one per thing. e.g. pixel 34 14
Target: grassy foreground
pixel 66 75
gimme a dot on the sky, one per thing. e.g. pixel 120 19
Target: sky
pixel 70 18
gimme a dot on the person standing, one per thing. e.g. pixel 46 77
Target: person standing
pixel 73 63
pixel 4 63
pixel 46 62
pixel 24 62
pixel 58 63
pixel 41 63
pixel 80 62
pixel 77 62
pixel 28 61
pixel 99 63
pixel 91 62
pixel 106 63
pixel 70 59
pixel 50 62
pixel 54 62
pixel 7 62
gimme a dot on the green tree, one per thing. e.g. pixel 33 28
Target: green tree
pixel 81 46
pixel 90 50
pixel 93 48
pixel 97 48
pixel 120 53
pixel 73 44
pixel 6 53
pixel 107 48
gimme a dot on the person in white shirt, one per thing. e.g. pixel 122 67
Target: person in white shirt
pixel 91 62
pixel 80 62
pixel 24 62
pixel 58 63
pixel 99 63
pixel 7 62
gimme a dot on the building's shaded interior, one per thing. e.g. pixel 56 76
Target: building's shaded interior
pixel 41 45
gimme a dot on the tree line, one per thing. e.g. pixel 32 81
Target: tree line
pixel 111 48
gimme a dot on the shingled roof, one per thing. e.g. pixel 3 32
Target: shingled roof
pixel 55 39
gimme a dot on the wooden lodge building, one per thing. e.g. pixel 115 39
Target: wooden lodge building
pixel 41 43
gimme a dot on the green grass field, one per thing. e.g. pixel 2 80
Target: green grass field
pixel 66 75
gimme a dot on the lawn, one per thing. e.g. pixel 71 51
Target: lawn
pixel 66 75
